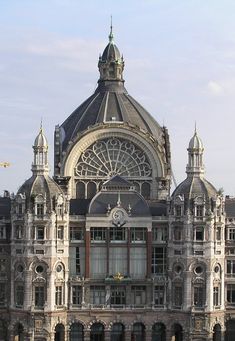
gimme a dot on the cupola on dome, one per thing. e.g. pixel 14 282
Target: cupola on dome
pixel 195 142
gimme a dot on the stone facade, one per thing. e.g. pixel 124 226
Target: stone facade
pixel 102 251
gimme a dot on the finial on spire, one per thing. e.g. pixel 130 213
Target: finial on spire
pixel 195 128
pixel 111 31
pixel 41 126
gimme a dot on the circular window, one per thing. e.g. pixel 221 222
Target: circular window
pixel 178 269
pixel 59 268
pixel 216 269
pixel 198 270
pixel 20 268
pixel 39 269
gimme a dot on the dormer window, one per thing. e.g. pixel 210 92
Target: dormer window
pixel 18 232
pixel 178 210
pixel 40 210
pixel 199 211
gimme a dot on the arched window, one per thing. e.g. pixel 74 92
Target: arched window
pixel 91 190
pixel 117 332
pixel 217 332
pixel 97 332
pixel 138 332
pixel 76 332
pixel 59 332
pixel 178 332
pixel 159 332
pixel 80 190
pixel 145 190
pixel 19 332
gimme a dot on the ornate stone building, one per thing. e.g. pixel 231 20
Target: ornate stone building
pixel 103 252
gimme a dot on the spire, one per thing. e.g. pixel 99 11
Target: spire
pixel 195 165
pixel 40 148
pixel 111 31
pixel 111 63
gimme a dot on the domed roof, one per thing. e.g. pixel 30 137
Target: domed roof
pixel 41 140
pixel 195 186
pixel 40 185
pixel 195 142
pixel 109 103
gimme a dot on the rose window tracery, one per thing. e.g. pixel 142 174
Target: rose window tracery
pixel 113 156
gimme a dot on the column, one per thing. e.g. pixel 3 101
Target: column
pixel 148 335
pixel 128 250
pixel 149 252
pixel 52 336
pixel 128 335
pixel 87 335
pixel 107 335
pixel 107 250
pixel 169 335
pixel 87 253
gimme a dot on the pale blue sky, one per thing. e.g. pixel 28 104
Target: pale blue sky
pixel 179 64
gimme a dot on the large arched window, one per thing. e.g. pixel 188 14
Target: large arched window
pixel 138 332
pixel 159 332
pixel 178 332
pixel 217 332
pixel 97 332
pixel 76 332
pixel 59 332
pixel 117 332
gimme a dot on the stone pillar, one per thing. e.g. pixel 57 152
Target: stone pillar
pixel 107 250
pixel 107 335
pixel 187 296
pixel 52 336
pixel 128 250
pixel 87 253
pixel 87 335
pixel 148 335
pixel 149 252
pixel 128 335
pixel 169 335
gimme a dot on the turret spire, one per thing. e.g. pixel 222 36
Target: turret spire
pixel 195 165
pixel 40 147
pixel 111 31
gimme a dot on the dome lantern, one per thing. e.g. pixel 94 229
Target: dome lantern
pixel 195 165
pixel 40 147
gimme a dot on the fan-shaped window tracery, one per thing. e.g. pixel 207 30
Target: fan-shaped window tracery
pixel 112 156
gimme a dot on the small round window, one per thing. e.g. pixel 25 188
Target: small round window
pixel 216 269
pixel 178 269
pixel 39 269
pixel 20 268
pixel 59 268
pixel 198 270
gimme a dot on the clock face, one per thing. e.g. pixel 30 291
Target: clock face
pixel 118 216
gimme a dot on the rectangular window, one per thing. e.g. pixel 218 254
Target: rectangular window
pixel 177 233
pixel 199 234
pixel 178 210
pixel 199 210
pixel 2 294
pixel 158 260
pixel 60 232
pixel 39 298
pixel 2 232
pixel 77 261
pixel 118 295
pixel 98 234
pixel 40 232
pixel 216 296
pixel 159 234
pixel 76 233
pixel 138 234
pixel 231 234
pixel 117 234
pixel 198 296
pixel 18 232
pixel 58 295
pixel 230 268
pixel 138 294
pixel 231 293
pixel 20 209
pixel 218 233
pixel 76 294
pixel 178 296
pixel 40 210
pixel 159 295
pixel 97 295
pixel 19 299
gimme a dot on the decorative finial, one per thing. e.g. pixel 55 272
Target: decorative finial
pixel 195 128
pixel 40 131
pixel 111 31
pixel 119 200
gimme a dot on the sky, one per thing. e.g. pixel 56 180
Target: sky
pixel 179 64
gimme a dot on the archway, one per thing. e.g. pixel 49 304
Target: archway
pixel 76 332
pixel 177 332
pixel 59 332
pixel 97 332
pixel 117 332
pixel 19 332
pixel 230 330
pixel 138 332
pixel 3 331
pixel 217 332
pixel 158 332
